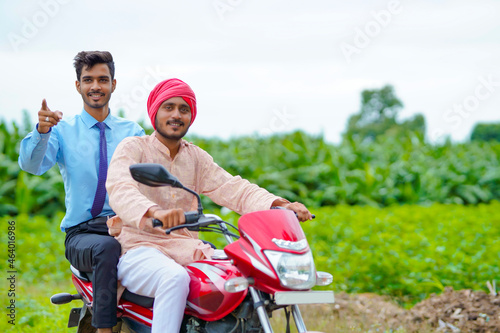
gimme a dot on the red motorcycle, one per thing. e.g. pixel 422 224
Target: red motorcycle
pixel 268 267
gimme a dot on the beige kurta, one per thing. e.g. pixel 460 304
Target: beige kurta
pixel 196 170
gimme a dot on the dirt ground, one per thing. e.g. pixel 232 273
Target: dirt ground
pixel 459 311
pixel 451 311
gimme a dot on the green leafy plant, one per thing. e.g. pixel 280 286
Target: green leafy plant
pixel 301 167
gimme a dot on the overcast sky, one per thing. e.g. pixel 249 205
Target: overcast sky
pixel 260 67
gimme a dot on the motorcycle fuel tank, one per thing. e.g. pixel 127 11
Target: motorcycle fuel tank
pixel 207 297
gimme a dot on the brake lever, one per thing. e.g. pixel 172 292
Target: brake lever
pixel 189 226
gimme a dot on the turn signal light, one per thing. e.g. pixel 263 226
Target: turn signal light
pixel 323 278
pixel 236 285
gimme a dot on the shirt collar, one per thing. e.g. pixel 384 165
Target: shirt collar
pixel 90 121
pixel 161 147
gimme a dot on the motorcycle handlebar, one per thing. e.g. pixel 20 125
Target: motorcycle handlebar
pixel 195 221
pixel 191 217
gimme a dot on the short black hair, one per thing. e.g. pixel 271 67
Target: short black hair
pixel 91 58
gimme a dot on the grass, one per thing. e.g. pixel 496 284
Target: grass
pixel 35 313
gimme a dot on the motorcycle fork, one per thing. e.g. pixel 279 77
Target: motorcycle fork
pixel 297 317
pixel 260 306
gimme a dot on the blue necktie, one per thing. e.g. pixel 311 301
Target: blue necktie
pixel 100 193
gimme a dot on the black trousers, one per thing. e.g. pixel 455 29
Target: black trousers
pixel 90 248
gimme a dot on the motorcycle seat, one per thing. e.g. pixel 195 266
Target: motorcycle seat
pixel 84 276
pixel 144 301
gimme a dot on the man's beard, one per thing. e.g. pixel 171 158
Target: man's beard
pixel 174 137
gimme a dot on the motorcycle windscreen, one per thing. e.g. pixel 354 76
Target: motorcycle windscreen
pixel 264 226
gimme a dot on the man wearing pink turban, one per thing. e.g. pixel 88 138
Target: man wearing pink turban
pixel 152 262
pixel 168 89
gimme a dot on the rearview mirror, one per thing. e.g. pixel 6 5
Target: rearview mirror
pixel 154 175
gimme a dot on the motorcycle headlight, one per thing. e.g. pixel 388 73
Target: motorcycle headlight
pixel 295 271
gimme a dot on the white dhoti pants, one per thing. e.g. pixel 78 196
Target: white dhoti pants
pixel 148 272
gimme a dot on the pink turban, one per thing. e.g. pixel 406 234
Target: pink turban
pixel 166 90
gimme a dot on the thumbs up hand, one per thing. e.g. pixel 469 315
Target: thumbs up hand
pixel 47 118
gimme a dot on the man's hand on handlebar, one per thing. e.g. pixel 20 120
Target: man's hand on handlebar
pixel 169 217
pixel 303 214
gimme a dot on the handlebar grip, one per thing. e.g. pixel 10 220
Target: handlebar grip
pixel 190 217
pixel 157 223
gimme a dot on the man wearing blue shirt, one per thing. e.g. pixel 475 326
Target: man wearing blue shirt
pixel 82 146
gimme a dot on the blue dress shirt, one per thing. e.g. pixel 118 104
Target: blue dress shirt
pixel 74 145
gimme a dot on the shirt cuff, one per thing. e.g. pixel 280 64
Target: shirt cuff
pixel 36 127
pixel 36 136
